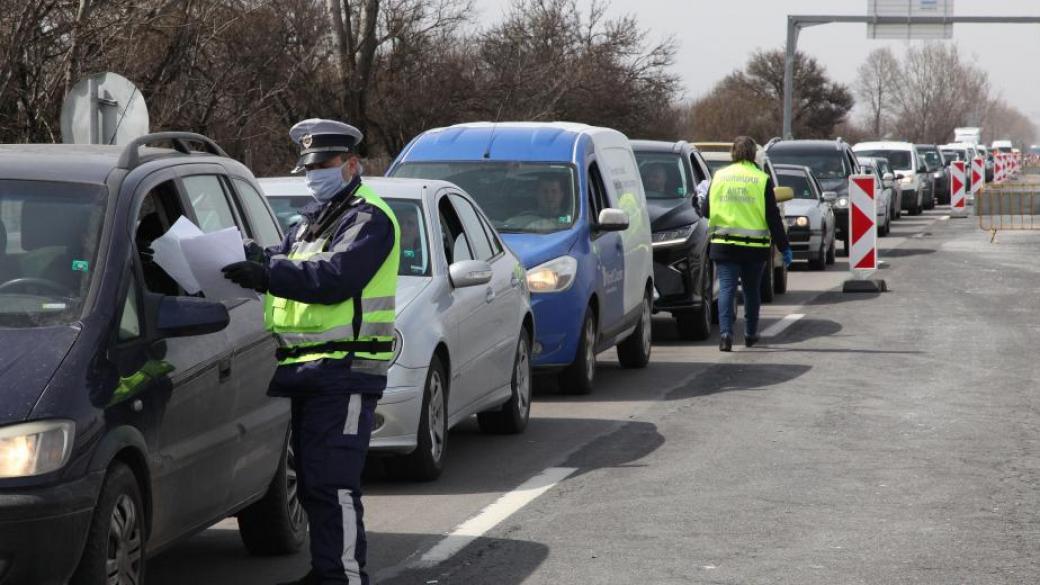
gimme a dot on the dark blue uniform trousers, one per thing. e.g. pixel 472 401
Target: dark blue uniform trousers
pixel 331 433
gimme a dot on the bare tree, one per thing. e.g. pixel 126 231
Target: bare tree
pixel 875 86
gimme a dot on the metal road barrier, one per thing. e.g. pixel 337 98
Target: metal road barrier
pixel 1009 207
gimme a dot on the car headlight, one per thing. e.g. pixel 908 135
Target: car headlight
pixel 671 237
pixel 553 276
pixel 798 221
pixel 35 448
pixel 938 175
pixel 908 181
pixel 842 202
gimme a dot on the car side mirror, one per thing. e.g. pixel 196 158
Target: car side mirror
pixel 188 316
pixel 888 177
pixel 467 273
pixel 922 169
pixel 783 194
pixel 830 196
pixel 612 220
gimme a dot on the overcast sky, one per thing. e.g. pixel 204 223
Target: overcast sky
pixel 717 36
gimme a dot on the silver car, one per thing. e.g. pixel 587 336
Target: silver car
pixel 810 219
pixel 464 323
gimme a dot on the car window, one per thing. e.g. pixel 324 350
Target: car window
pixel 899 159
pixel 664 175
pixel 265 231
pixel 478 239
pixel 207 197
pixel 415 258
pixel 453 236
pixel 130 320
pixel 799 183
pixel 598 200
pixel 825 163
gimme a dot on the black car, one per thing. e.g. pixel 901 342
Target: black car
pixel 939 169
pixel 133 414
pixel 832 163
pixel 683 275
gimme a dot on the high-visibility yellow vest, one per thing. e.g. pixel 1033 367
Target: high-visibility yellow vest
pixel 298 325
pixel 737 203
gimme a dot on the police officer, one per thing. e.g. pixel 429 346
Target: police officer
pixel 742 215
pixel 330 303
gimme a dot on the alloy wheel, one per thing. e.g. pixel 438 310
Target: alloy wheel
pixel 435 416
pixel 647 326
pixel 125 544
pixel 292 484
pixel 590 349
pixel 523 378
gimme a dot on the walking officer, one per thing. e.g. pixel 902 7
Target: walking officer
pixel 330 303
pixel 743 222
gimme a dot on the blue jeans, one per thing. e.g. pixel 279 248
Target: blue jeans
pixel 750 276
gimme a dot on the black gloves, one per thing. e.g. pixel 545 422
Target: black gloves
pixel 248 274
pixel 254 251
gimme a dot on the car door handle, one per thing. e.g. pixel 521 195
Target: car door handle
pixel 489 295
pixel 224 367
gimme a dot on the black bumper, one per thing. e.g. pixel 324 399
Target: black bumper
pixel 43 530
pixel 677 272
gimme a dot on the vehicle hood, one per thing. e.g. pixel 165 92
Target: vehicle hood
pixel 28 360
pixel 535 249
pixel 800 207
pixel 670 213
pixel 839 186
pixel 408 289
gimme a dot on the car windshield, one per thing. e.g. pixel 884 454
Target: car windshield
pixel 49 233
pixel 899 159
pixel 518 197
pixel 798 183
pixel 952 155
pixel 931 159
pixel 825 163
pixel 415 257
pixel 663 175
pixel 716 165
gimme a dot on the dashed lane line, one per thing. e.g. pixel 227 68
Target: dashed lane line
pixel 494 514
pixel 782 325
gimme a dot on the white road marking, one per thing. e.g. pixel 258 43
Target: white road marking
pixel 781 325
pixel 495 513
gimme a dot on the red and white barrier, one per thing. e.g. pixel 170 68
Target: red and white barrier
pixel 863 252
pixel 958 205
pixel 998 168
pixel 978 175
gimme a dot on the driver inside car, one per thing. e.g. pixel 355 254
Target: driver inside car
pixel 552 209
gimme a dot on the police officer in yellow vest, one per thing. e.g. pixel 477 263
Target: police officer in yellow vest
pixel 330 303
pixel 743 221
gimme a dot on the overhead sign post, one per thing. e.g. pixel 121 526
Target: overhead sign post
pixel 863 253
pixel 958 205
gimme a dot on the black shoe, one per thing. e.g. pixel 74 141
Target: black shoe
pixel 725 342
pixel 308 579
pixel 750 340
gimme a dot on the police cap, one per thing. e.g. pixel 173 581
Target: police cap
pixel 321 140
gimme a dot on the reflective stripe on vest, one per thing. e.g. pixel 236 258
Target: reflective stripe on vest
pixel 298 325
pixel 737 203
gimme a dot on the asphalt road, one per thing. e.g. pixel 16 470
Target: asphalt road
pixel 879 439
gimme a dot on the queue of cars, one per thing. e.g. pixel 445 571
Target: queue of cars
pixel 141 416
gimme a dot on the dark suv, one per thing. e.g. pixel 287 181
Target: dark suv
pixel 683 278
pixel 832 163
pixel 133 413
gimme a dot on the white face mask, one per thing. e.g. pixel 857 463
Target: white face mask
pixel 324 184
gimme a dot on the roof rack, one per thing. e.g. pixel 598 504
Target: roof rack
pixel 131 156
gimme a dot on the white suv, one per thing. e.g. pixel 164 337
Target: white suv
pixel 912 175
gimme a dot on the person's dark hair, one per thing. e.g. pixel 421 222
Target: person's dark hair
pixel 744 149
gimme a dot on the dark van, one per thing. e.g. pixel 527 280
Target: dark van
pixel 131 413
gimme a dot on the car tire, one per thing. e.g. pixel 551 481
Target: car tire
pixel 426 462
pixel 117 532
pixel 276 524
pixel 831 253
pixel 883 230
pixel 820 262
pixel 579 377
pixel 845 246
pixel 696 325
pixel 512 417
pixel 634 351
pixel 768 292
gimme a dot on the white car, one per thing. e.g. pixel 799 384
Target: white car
pixel 914 181
pixel 464 323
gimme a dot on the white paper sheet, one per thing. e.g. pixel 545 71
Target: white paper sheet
pixel 194 259
pixel 207 254
pixel 167 253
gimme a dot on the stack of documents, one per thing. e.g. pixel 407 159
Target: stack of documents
pixel 194 259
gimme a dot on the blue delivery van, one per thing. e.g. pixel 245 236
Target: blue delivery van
pixel 569 201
